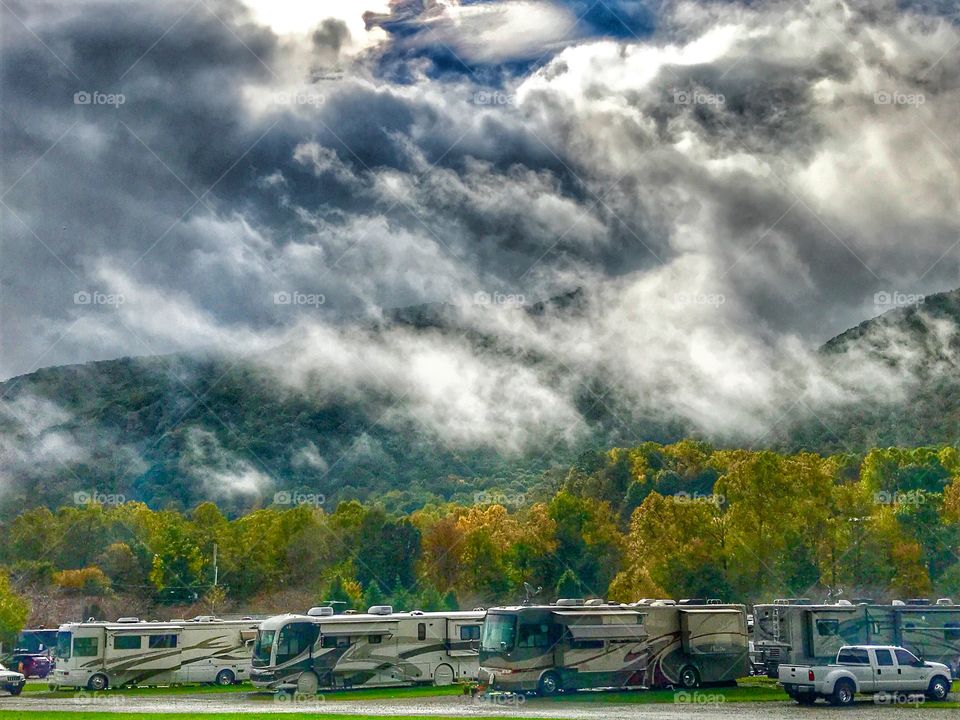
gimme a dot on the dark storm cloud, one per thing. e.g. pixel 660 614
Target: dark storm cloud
pixel 656 155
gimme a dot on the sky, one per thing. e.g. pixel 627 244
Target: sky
pixel 729 184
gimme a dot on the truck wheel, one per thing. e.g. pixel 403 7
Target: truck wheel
pixel 98 682
pixel 939 689
pixel 225 677
pixel 843 693
pixel 549 684
pixel 308 683
pixel 15 689
pixel 689 678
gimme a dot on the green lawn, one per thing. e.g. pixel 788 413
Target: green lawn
pixel 363 694
pixel 69 715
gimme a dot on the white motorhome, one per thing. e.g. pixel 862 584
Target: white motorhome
pixel 380 647
pixel 98 655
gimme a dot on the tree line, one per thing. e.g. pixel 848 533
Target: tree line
pixel 681 520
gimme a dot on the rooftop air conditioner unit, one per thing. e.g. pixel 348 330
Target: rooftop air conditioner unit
pixel 325 611
pixel 944 601
pixel 844 602
pixel 593 602
pixel 380 610
pixel 898 602
pixel 128 620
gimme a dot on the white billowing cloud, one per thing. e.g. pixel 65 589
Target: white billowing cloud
pixel 221 473
pixel 309 457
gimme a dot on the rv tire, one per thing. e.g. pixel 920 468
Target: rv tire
pixel 443 675
pixel 308 683
pixel 549 684
pixel 689 678
pixel 98 682
pixel 225 677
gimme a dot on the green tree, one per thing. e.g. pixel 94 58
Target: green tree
pixel 13 611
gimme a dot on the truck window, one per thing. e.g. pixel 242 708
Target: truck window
pixel 828 628
pixel 884 658
pixel 853 656
pixel 904 657
pixel 85 646
pixel 128 642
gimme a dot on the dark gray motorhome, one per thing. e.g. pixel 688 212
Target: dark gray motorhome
pixel 796 631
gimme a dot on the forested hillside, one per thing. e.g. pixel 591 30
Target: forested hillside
pixel 172 431
pixel 684 520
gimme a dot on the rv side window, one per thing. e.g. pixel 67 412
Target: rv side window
pixel 293 640
pixel 421 631
pixel 335 641
pixel 128 642
pixel 163 641
pixel 826 628
pixel 469 632
pixel 533 635
pixel 586 644
pixel 854 656
pixel 85 647
pixel 951 631
pixel 375 639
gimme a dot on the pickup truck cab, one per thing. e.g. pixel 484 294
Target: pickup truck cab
pixel 868 669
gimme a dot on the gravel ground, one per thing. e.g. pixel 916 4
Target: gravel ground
pixel 453 706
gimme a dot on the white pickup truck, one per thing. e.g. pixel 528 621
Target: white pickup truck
pixel 868 669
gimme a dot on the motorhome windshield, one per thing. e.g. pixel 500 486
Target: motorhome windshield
pixel 499 632
pixel 63 645
pixel 262 647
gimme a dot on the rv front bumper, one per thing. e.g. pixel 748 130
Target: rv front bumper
pixel 68 679
pixel 507 680
pixel 267 680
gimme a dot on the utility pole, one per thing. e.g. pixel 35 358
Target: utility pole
pixel 215 568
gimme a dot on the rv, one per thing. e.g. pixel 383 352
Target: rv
pixel 304 653
pixel 574 644
pixel 796 631
pixel 98 655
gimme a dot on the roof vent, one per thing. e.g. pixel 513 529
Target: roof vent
pixel 844 602
pixel 380 610
pixel 325 611
pixel 944 601
pixel 714 601
pixel 569 602
pixel 898 602
pixel 128 620
pixel 416 612
pixel 593 602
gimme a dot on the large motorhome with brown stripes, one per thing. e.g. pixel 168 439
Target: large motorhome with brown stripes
pixel 320 650
pixel 98 655
pixel 574 645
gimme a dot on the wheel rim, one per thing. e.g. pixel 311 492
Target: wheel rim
pixel 99 682
pixel 549 684
pixel 688 678
pixel 224 678
pixel 845 695
pixel 939 690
